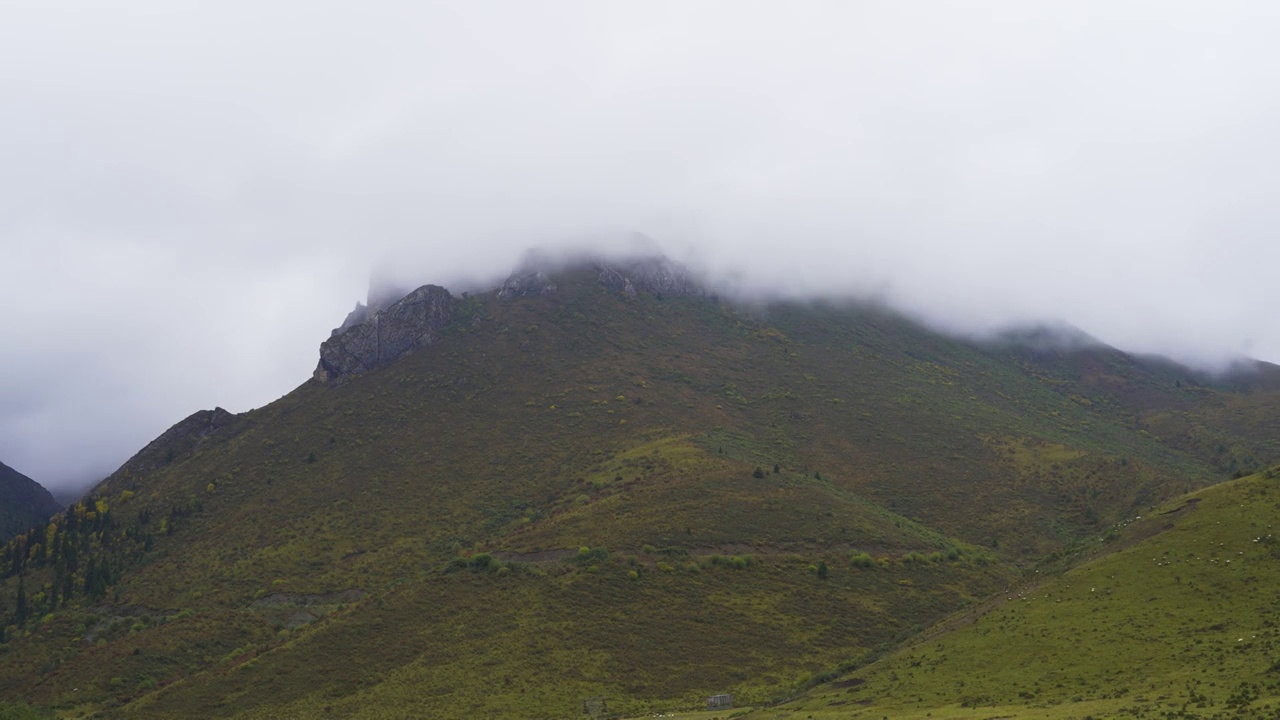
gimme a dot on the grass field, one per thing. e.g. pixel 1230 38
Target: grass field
pixel 1181 624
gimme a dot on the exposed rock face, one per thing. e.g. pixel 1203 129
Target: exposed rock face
pixel 656 276
pixel 362 344
pixel 522 284
pixel 375 334
pixel 355 317
pixel 382 294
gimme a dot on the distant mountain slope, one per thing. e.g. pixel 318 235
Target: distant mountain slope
pixel 591 481
pixel 24 503
pixel 1183 623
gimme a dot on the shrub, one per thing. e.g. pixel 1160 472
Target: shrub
pixel 590 555
pixel 758 473
pixel 862 560
pixel 481 561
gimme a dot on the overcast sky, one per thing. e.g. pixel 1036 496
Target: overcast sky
pixel 193 194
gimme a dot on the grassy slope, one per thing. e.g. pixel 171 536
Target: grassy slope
pixel 1183 622
pixel 586 420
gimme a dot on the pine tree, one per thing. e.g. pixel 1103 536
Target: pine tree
pixel 20 605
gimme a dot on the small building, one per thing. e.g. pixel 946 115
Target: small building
pixel 719 702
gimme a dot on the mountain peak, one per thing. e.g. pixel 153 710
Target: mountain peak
pixel 371 339
pixel 630 275
pixel 394 323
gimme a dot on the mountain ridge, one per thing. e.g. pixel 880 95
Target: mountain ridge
pixel 23 502
pixel 599 470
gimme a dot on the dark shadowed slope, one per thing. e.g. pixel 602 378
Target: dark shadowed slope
pixel 24 503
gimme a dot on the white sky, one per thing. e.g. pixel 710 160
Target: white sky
pixel 193 194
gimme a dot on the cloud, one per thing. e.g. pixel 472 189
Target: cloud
pixel 193 194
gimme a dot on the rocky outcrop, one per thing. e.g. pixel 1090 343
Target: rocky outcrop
pixel 371 341
pixel 657 276
pixel 355 317
pixel 523 284
pixel 653 275
pixel 375 334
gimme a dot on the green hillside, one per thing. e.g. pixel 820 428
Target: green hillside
pixel 1180 624
pixel 591 492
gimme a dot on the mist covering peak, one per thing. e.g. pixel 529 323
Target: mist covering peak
pixel 394 323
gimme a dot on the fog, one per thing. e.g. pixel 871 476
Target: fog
pixel 193 194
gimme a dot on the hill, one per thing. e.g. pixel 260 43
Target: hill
pixel 24 503
pixel 595 480
pixel 1178 621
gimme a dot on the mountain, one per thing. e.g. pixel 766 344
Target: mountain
pixel 1177 618
pixel 24 503
pixel 598 479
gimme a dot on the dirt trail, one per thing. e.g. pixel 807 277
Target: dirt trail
pixel 558 554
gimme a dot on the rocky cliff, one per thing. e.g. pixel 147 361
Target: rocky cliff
pixel 375 334
pixel 363 344
pixel 655 275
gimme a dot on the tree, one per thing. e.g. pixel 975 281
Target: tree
pixel 776 469
pixel 822 570
pixel 20 605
